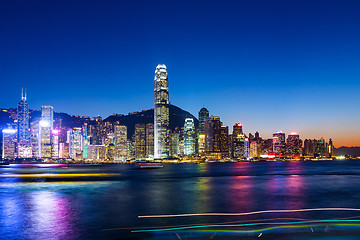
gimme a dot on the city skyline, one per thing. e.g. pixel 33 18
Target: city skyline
pixel 271 66
pixel 47 112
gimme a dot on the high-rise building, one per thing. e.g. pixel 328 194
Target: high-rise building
pixel 86 140
pixel 319 147
pixel 150 140
pixel 212 134
pixel 140 141
pixel 47 114
pixel 308 148
pixel 55 143
pixel 330 148
pixel 45 128
pixel 24 150
pixel 257 136
pixel 246 148
pixel 9 143
pixel 121 144
pixel 254 150
pixel 279 143
pixel 238 142
pixel 96 152
pixel 44 139
pixel 64 150
pixel 189 136
pixel 24 142
pixel 224 140
pixel 110 153
pixel 237 129
pixel 75 143
pixel 34 137
pixel 201 143
pixel 293 145
pixel 161 113
pixel 203 115
pixel 175 143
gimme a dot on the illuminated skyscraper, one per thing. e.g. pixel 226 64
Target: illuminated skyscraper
pixel 293 145
pixel 246 148
pixel 279 142
pixel 201 143
pixel 34 136
pixel 140 141
pixel 24 142
pixel 47 114
pixel 64 150
pixel 86 140
pixel 121 143
pixel 9 143
pixel 212 134
pixel 75 143
pixel 23 120
pixel 238 142
pixel 175 143
pixel 110 153
pixel 203 115
pixel 161 112
pixel 329 148
pixel 237 129
pixel 189 136
pixel 224 140
pixel 55 144
pixel 254 149
pixel 319 147
pixel 45 128
pixel 308 148
pixel 150 140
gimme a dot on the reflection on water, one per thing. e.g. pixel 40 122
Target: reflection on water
pixel 51 214
pixel 89 208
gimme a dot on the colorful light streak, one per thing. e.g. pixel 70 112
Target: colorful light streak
pixel 244 225
pixel 249 213
pixel 241 221
pixel 59 175
pixel 273 228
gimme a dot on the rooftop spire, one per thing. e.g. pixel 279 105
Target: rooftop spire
pixel 23 94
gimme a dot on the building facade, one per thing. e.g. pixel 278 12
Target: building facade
pixel 203 115
pixel 9 143
pixel 75 143
pixel 279 143
pixel 121 144
pixel 24 140
pixel 140 141
pixel 189 136
pixel 161 113
pixel 293 145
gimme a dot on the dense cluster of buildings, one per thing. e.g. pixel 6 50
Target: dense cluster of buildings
pixel 43 138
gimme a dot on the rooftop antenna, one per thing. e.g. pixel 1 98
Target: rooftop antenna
pixel 203 104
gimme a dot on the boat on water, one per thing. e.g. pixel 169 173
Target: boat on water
pixel 147 164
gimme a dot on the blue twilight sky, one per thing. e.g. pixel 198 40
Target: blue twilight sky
pixel 290 65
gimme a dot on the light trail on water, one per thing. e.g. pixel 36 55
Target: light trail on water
pixel 245 225
pixel 249 213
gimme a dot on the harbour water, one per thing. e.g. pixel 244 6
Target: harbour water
pixel 105 202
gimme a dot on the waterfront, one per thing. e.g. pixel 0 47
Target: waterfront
pixel 104 202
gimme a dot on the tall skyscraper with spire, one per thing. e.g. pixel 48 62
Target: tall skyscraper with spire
pixel 24 147
pixel 23 119
pixel 161 112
